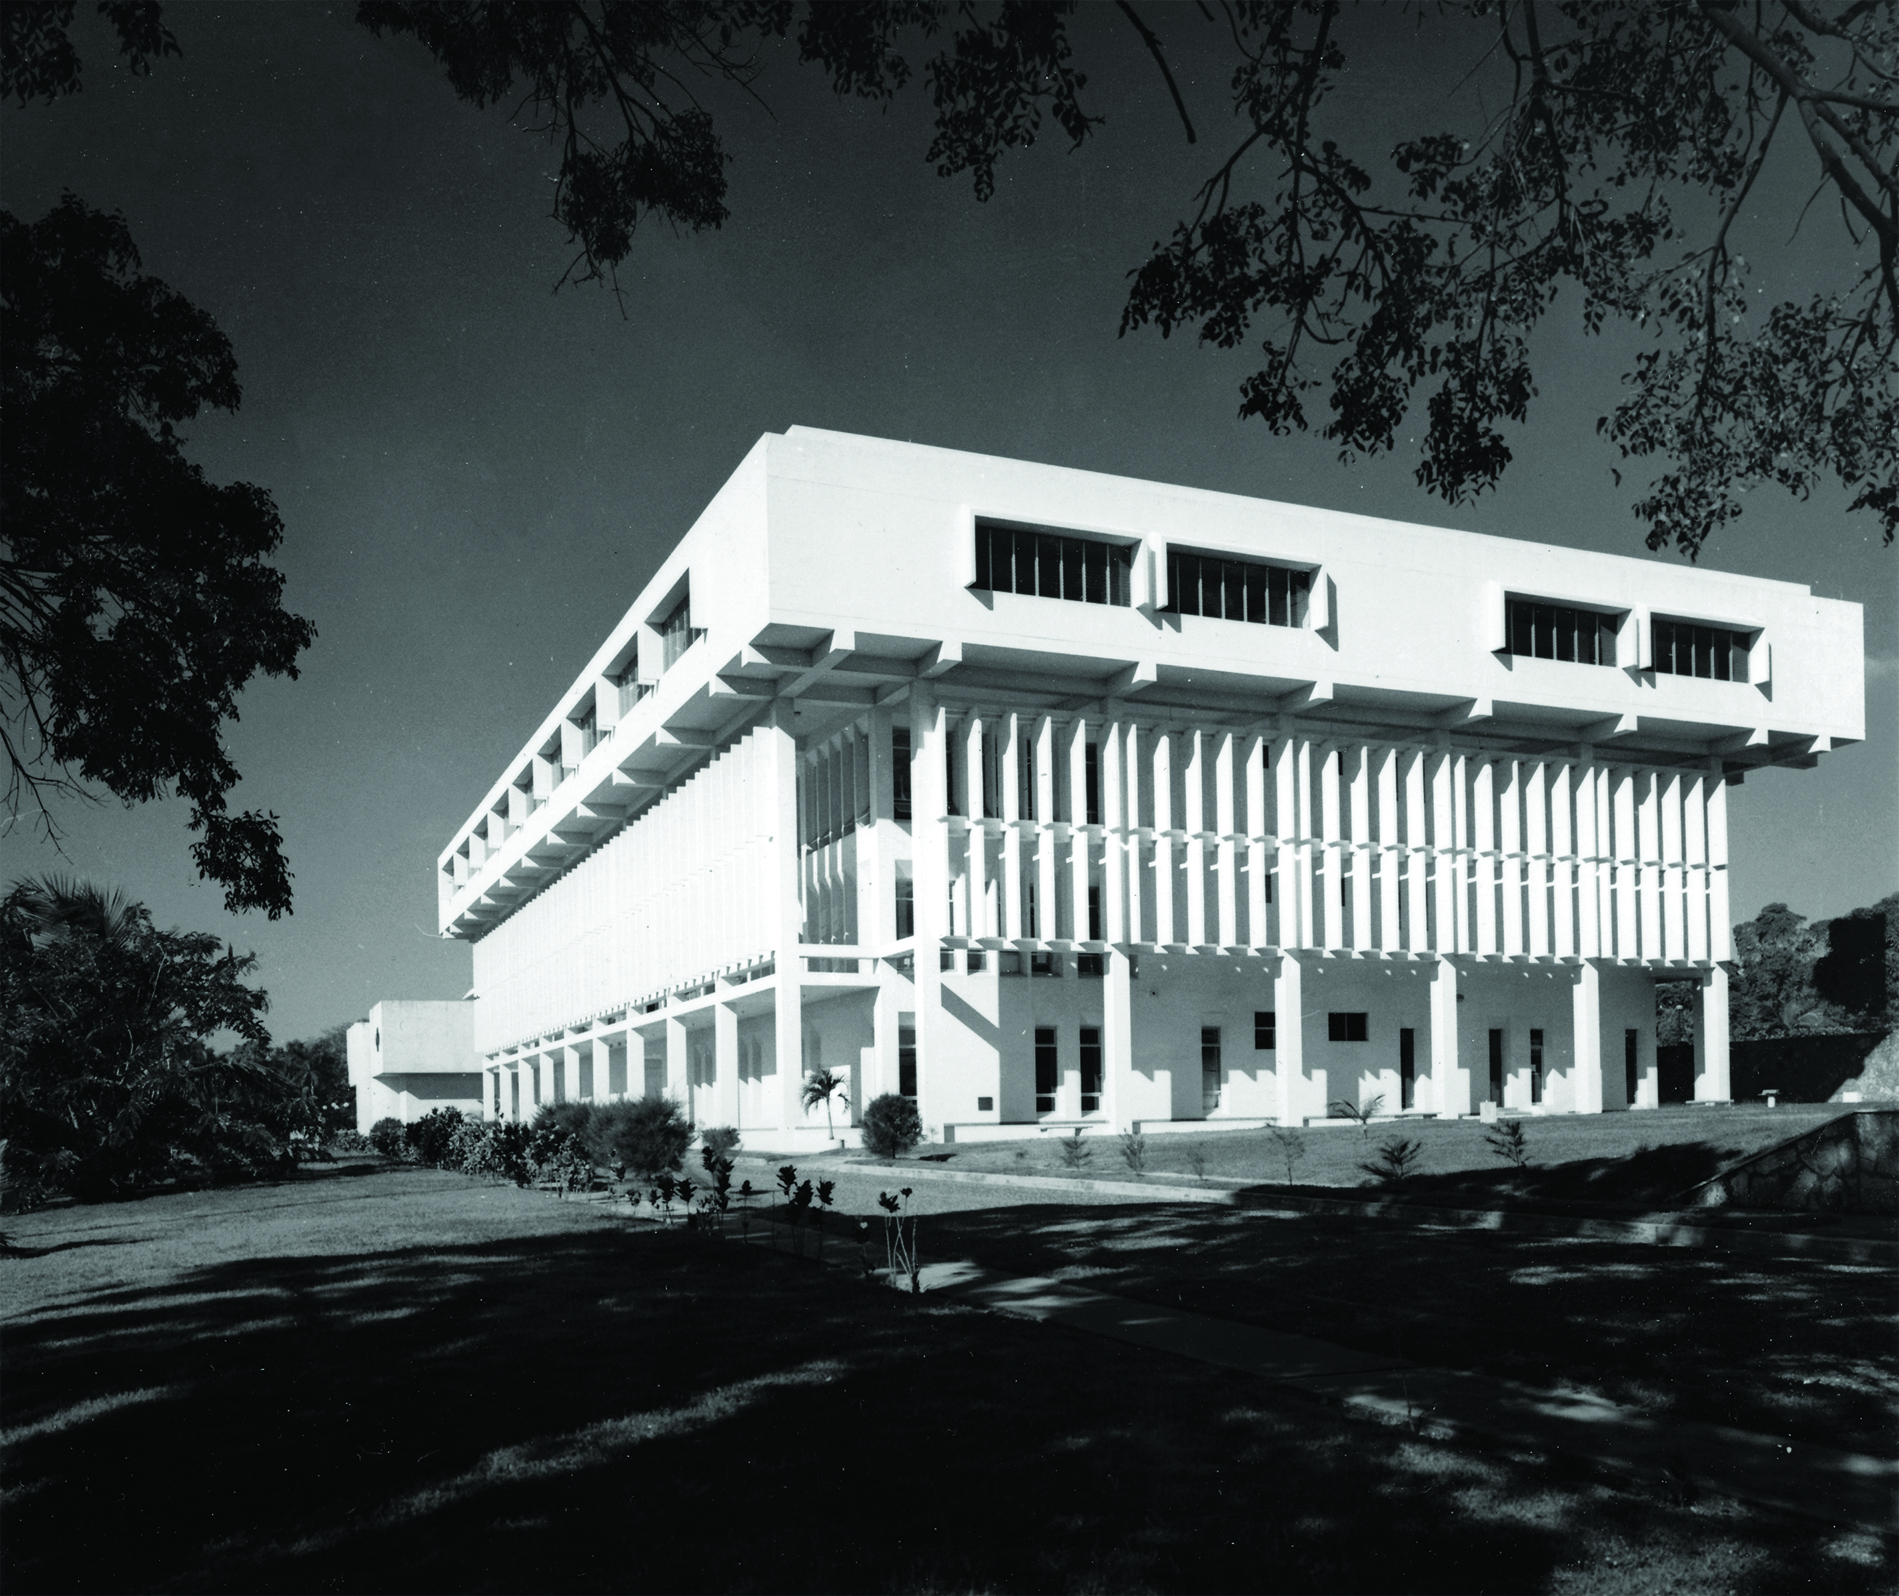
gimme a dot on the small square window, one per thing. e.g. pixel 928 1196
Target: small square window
pixel 1088 966
pixel 985 1105
pixel 1041 964
pixel 1264 1030
pixel 1347 1027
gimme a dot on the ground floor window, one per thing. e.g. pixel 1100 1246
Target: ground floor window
pixel 907 1060
pixel 1209 1068
pixel 1496 1067
pixel 1407 1068
pixel 976 961
pixel 1354 1027
pixel 1536 1066
pixel 1047 1070
pixel 1265 1030
pixel 1090 1069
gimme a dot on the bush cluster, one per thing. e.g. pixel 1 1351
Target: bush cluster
pixel 565 1143
pixel 891 1126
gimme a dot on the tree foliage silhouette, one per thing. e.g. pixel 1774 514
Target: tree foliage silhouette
pixel 135 601
pixel 1371 285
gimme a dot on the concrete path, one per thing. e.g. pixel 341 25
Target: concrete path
pixel 1841 1488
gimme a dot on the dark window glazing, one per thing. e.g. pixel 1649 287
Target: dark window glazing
pixel 1560 632
pixel 1236 590
pixel 1052 565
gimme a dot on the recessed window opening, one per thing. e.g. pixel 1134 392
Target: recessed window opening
pixel 1041 964
pixel 1714 653
pixel 907 1061
pixel 1052 565
pixel 676 633
pixel 1348 1027
pixel 1088 966
pixel 1009 962
pixel 906 906
pixel 1536 1066
pixel 1090 1069
pixel 1407 1068
pixel 900 772
pixel 586 722
pixel 1094 913
pixel 1496 1066
pixel 1559 632
pixel 1225 589
pixel 976 961
pixel 1047 1069
pixel 1092 783
pixel 1631 1062
pixel 1265 1030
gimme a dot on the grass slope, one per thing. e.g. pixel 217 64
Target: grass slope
pixel 408 1381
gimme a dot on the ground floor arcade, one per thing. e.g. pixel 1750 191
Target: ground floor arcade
pixel 997 1042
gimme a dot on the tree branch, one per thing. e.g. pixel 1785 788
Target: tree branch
pixel 1154 49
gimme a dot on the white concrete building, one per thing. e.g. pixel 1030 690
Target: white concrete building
pixel 1057 798
pixel 412 1057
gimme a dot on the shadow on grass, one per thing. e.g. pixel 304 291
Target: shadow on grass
pixel 1650 1176
pixel 606 1409
pixel 1782 1346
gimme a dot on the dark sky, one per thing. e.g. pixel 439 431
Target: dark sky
pixel 478 474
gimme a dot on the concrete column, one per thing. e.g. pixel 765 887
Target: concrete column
pixel 1510 857
pixel 1047 909
pixel 1012 753
pixel 1712 1083
pixel 1449 1080
pixel 1463 875
pixel 1590 1092
pixel 1484 842
pixel 1253 762
pixel 568 1061
pixel 1163 841
pixel 1444 862
pixel 1117 1040
pixel 1135 860
pixel 1720 933
pixel 1289 1041
pixel 1358 773
pixel 1193 792
pixel 1310 917
pixel 1389 857
pixel 1536 859
pixel 1695 823
pixel 725 1063
pixel 977 876
pixel 1588 867
pixel 1114 920
pixel 1333 893
pixel 1563 851
pixel 1674 944
pixel 930 834
pixel 1078 846
pixel 1648 838
pixel 781 769
pixel 678 1065
pixel 1286 831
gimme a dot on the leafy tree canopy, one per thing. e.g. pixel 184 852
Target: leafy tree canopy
pixel 1617 166
pixel 107 1078
pixel 135 600
pixel 1794 976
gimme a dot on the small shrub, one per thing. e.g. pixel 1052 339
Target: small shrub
pixel 497 1150
pixel 429 1137
pixel 1507 1141
pixel 386 1136
pixel 1289 1145
pixel 351 1141
pixel 1396 1161
pixel 1361 1114
pixel 717 1141
pixel 891 1125
pixel 1075 1151
pixel 649 1135
pixel 558 1158
pixel 1197 1162
pixel 1134 1151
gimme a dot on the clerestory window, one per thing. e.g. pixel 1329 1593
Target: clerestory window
pixel 1559 631
pixel 1683 648
pixel 1225 589
pixel 1044 564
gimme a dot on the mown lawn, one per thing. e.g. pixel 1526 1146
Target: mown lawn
pixel 1648 1158
pixel 405 1380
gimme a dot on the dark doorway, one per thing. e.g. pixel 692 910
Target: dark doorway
pixel 1407 1069
pixel 1047 1073
pixel 1632 1062
pixel 1675 1072
pixel 1536 1066
pixel 907 1061
pixel 1496 1068
pixel 1090 1065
